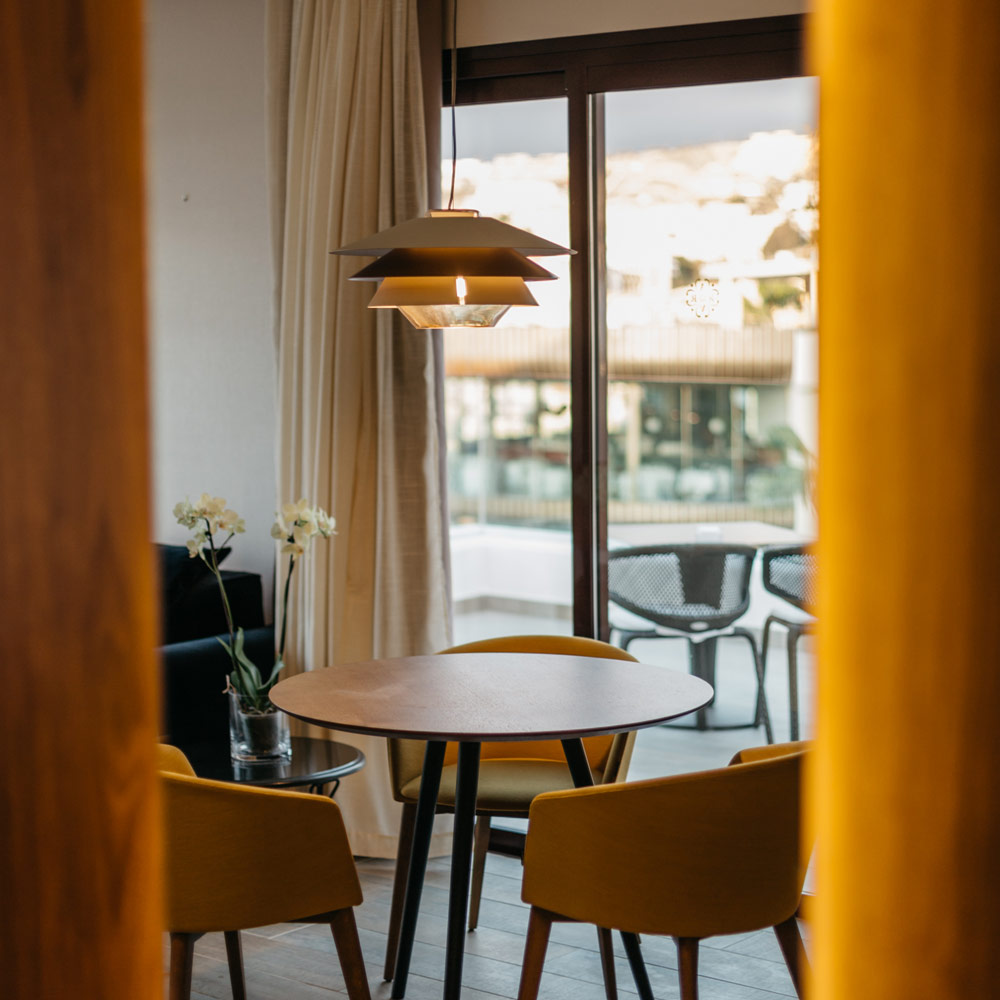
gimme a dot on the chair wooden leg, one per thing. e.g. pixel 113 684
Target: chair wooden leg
pixel 790 942
pixel 403 851
pixel 480 846
pixel 352 962
pixel 234 952
pixel 535 946
pixel 687 967
pixel 607 949
pixel 181 965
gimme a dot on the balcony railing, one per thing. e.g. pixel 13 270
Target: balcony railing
pixel 538 512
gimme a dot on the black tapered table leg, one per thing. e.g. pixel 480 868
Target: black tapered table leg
pixel 461 861
pixel 430 784
pixel 637 965
pixel 579 768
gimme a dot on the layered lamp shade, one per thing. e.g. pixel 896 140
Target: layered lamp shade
pixel 452 268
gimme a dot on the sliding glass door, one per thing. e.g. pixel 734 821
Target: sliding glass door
pixel 666 384
pixel 507 391
pixel 710 217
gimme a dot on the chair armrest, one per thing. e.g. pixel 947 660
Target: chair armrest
pixel 229 862
pixel 770 751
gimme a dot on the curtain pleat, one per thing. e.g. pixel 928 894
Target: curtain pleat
pixel 360 393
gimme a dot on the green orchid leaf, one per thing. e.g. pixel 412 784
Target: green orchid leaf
pixel 275 670
pixel 236 684
pixel 245 661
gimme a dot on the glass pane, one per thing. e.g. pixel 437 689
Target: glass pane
pixel 711 269
pixel 711 215
pixel 507 390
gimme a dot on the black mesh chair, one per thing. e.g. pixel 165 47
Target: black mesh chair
pixel 692 592
pixel 789 572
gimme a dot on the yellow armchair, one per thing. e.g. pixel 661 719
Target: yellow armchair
pixel 690 856
pixel 510 774
pixel 228 867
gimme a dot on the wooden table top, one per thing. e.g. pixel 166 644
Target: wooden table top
pixel 490 696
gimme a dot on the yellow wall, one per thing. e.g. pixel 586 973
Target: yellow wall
pixel 906 787
pixel 80 903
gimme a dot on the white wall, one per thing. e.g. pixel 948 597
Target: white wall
pixel 487 22
pixel 213 368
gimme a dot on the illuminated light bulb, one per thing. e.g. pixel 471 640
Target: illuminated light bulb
pixel 460 290
pixel 434 303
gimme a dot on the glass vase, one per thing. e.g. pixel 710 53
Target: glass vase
pixel 257 735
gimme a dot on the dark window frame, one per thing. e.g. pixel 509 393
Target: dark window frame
pixel 582 68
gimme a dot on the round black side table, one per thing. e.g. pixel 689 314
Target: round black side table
pixel 314 763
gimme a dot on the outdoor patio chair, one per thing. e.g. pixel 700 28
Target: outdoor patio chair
pixel 511 773
pixel 692 592
pixel 226 869
pixel 789 572
pixel 690 856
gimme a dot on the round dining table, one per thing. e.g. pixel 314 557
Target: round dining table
pixel 472 698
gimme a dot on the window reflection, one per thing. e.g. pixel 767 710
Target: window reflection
pixel 711 272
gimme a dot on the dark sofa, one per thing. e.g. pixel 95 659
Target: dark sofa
pixel 194 665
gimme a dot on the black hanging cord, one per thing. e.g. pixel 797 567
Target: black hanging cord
pixel 454 88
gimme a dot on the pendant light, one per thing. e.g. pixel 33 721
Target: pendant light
pixel 452 268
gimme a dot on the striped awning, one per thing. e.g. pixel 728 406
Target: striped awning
pixel 692 352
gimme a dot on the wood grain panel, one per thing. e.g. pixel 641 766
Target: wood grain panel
pixel 905 786
pixel 78 820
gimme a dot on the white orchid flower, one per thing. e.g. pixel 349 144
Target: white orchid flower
pixel 229 520
pixel 210 506
pixel 292 512
pixel 296 524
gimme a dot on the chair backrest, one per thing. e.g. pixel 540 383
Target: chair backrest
pixel 170 758
pixel 695 855
pixel 608 755
pixel 789 571
pixel 225 856
pixel 693 588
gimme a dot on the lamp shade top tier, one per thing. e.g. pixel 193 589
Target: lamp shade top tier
pixel 493 262
pixel 453 230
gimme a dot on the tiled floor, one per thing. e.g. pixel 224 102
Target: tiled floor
pixel 298 962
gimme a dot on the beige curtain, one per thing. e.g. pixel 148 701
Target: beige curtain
pixel 360 400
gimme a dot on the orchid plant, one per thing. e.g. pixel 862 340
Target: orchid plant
pixel 296 525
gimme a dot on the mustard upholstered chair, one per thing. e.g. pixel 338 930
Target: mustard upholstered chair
pixel 225 869
pixel 510 774
pixel 690 856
